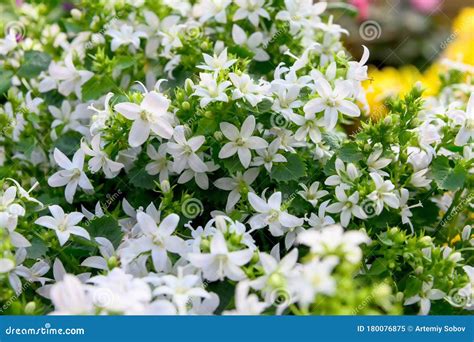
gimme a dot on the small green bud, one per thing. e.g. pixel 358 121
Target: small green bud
pixel 205 245
pixel 188 85
pixel 276 280
pixel 425 241
pixel 165 186
pixel 112 262
pixel 76 14
pixel 185 105
pixel 30 308
pixel 208 114
pixel 218 136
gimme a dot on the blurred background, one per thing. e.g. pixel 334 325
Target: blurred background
pixel 409 41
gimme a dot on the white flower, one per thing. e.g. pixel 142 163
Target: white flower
pixel 22 193
pixel 181 288
pixel 314 278
pixel 267 157
pixel 67 119
pixel 347 206
pixel 236 185
pixel 466 132
pixel 63 224
pixel 383 193
pixel 311 194
pixel 69 297
pixel 425 297
pixel 376 162
pixel 34 273
pixel 184 151
pixel 220 262
pixel 321 220
pixel 301 13
pixel 156 239
pixel 72 174
pixel 251 10
pixel 66 78
pixel 160 164
pixel 9 211
pixel 419 179
pixel 275 272
pixel 98 120
pixel 106 250
pixel 8 44
pixel 209 90
pixel 271 214
pixel 151 115
pixel 120 293
pixel 241 142
pixel 246 88
pixel 286 100
pixel 201 178
pixel 211 9
pixel 125 35
pixel 345 174
pixel 252 42
pixel 216 63
pixel 6 265
pixel 332 240
pixel 309 126
pixel 418 158
pixel 357 71
pixel 332 102
pixel 245 303
pixel 100 160
pixel 405 211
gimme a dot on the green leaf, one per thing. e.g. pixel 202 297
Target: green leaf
pixel 378 267
pixel 349 153
pixel 33 63
pixel 446 176
pixel 5 80
pixel 68 143
pixel 385 240
pixel 96 87
pixel 139 178
pixel 37 249
pixel 124 62
pixel 413 286
pixel 207 126
pixel 105 226
pixel 293 169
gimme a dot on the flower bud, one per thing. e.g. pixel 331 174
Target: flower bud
pixel 221 223
pixel 165 186
pixel 425 241
pixel 188 85
pixel 76 14
pixel 185 105
pixel 112 262
pixel 30 308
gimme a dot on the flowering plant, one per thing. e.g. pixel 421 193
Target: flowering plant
pixel 176 157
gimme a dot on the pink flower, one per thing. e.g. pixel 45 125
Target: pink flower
pixel 363 7
pixel 426 6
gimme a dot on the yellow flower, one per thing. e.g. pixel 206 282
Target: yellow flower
pixel 390 82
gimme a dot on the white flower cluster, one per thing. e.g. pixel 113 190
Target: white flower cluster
pixel 241 113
